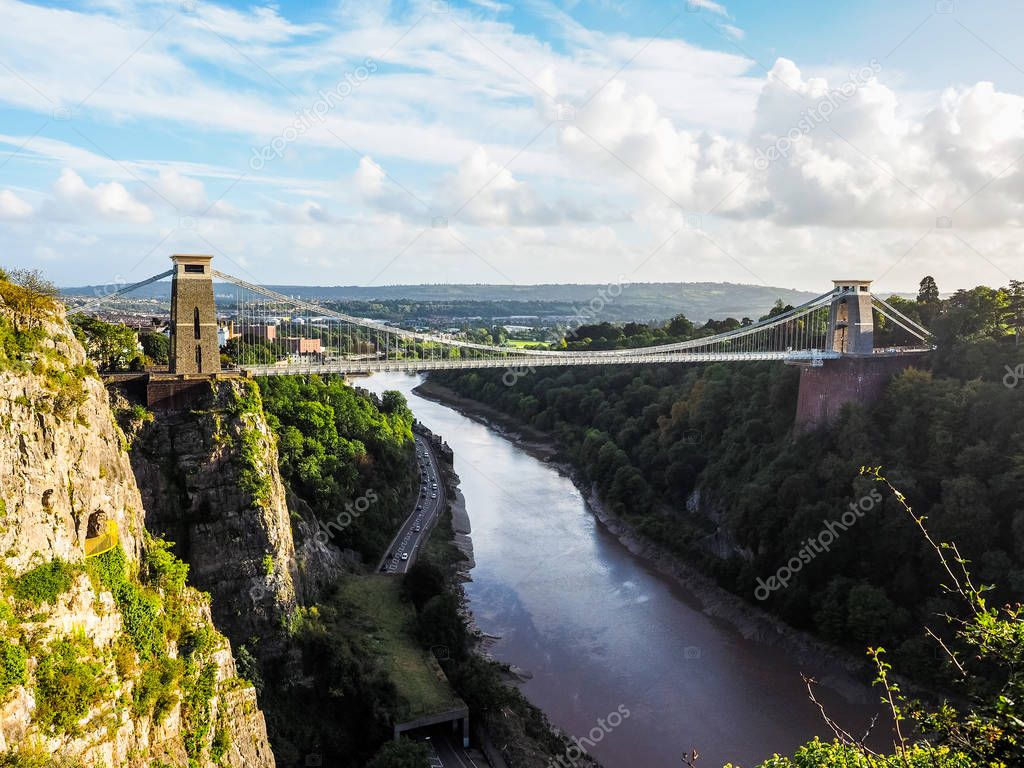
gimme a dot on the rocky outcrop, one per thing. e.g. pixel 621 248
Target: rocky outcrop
pixel 98 665
pixel 62 463
pixel 210 482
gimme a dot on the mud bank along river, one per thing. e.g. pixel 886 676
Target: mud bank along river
pixel 600 631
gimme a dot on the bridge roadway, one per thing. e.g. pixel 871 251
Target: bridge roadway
pixel 523 362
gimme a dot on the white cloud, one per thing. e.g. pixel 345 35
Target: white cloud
pixel 433 128
pixel 491 5
pixel 13 207
pixel 184 193
pixel 626 135
pixel 259 24
pixel 110 200
pixel 708 5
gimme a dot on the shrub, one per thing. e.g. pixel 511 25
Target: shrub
pixel 27 293
pixel 221 743
pixel 13 667
pixel 68 685
pixel 820 755
pixel 156 691
pixel 163 568
pixel 200 686
pixel 253 477
pixel 44 583
pixel 141 611
pixel 28 757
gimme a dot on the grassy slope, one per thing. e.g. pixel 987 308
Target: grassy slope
pixel 414 671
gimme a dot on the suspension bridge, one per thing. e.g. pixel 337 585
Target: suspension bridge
pixel 272 334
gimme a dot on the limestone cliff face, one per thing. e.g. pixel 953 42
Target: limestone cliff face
pixel 210 482
pixel 98 664
pixel 62 463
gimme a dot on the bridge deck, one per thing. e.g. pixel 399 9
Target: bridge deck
pixel 526 362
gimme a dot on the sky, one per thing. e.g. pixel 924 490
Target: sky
pixel 489 141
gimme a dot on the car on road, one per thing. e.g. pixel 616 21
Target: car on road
pixel 419 507
pixel 433 495
pixel 417 529
pixel 405 556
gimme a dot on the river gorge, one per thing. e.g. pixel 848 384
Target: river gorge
pixel 616 654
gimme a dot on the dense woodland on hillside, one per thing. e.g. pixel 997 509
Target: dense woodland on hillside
pixel 952 435
pixel 336 445
pixel 703 459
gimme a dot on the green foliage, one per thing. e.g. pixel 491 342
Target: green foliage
pixel 249 668
pixel 18 344
pixel 986 726
pixel 131 418
pixel 44 583
pixel 200 686
pixel 111 347
pixel 818 754
pixel 336 444
pixel 401 754
pixel 29 295
pixel 221 743
pixel 156 347
pixel 163 569
pixel 13 668
pixel 69 683
pixel 348 707
pixel 23 346
pixel 30 757
pixel 250 453
pixel 141 610
pixel 156 691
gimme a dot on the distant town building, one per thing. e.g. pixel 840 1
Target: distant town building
pixel 296 345
pixel 258 332
pixel 226 333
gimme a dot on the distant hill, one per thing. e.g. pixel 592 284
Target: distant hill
pixel 635 301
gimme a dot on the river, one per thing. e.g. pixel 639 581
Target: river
pixel 601 632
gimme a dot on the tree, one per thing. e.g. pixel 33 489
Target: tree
pixel 27 293
pixel 680 327
pixel 928 290
pixel 1015 313
pixel 156 347
pixel 111 347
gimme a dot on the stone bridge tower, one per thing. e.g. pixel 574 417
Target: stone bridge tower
pixel 860 375
pixel 850 320
pixel 194 345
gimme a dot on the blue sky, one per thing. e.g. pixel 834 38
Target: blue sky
pixel 491 141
